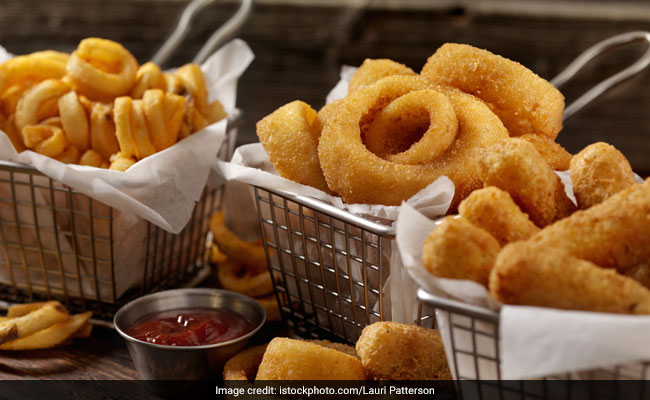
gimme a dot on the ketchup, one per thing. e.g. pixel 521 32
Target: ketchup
pixel 191 327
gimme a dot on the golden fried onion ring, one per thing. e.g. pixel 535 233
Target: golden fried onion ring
pixel 193 80
pixel 149 76
pixel 525 102
pixel 74 120
pixel 102 130
pixel 28 108
pixel 394 133
pixel 235 247
pixel 372 70
pixel 239 277
pixel 32 68
pixel 102 69
pixel 359 176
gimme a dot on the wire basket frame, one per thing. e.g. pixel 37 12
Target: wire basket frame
pixel 58 243
pixel 472 346
pixel 329 267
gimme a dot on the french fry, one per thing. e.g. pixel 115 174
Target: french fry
pixel 34 321
pixel 51 336
pixel 18 310
pixel 83 332
pixel 8 332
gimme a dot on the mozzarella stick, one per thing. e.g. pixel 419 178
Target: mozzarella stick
pixel 612 234
pixel 494 211
pixel 514 165
pixel 528 274
pixel 459 250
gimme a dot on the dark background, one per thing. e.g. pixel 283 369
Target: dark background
pixel 300 46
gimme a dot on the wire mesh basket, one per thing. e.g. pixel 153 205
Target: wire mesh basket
pixel 57 243
pixel 472 343
pixel 329 267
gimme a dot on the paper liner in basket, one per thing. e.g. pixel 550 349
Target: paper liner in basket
pixel 534 342
pixel 162 189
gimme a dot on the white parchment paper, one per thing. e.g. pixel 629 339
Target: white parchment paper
pixel 162 189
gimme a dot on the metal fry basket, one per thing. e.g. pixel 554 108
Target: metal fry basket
pixel 329 267
pixel 471 337
pixel 59 243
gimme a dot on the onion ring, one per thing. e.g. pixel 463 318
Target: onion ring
pixel 235 247
pixel 194 81
pixel 9 127
pixel 139 131
pixel 524 102
pixel 244 365
pixel 237 276
pixel 394 133
pixel 290 137
pixel 74 120
pixel 102 130
pixel 27 110
pixel 91 158
pixel 359 176
pixel 101 69
pixel 54 145
pixel 371 71
pixel 122 116
pixel 164 114
pixel 32 68
pixel 149 76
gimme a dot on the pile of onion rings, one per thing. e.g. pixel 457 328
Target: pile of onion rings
pixel 98 106
pixel 397 131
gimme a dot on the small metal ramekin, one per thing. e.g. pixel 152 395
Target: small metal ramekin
pixel 157 362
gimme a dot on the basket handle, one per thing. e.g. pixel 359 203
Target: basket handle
pixel 215 40
pixel 594 51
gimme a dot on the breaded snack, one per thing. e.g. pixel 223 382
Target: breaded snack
pixel 360 176
pixel 641 274
pixel 371 71
pixel 343 348
pixel 555 155
pixel 459 250
pixel 289 359
pixel 290 138
pixel 395 133
pixel 535 275
pixel 244 365
pixel 524 102
pixel 612 234
pixel 494 211
pixel 598 172
pixel 392 351
pixel 514 165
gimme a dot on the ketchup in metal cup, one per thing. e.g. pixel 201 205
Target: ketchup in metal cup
pixel 191 327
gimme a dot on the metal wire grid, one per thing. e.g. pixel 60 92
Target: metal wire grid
pixel 57 243
pixel 328 267
pixel 474 342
